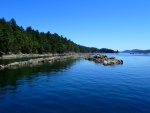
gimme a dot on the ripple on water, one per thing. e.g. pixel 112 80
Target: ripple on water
pixel 78 86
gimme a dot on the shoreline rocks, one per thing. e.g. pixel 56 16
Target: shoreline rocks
pixel 106 61
pixel 14 56
pixel 99 58
pixel 42 60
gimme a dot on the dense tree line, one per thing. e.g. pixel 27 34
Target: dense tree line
pixel 105 50
pixel 16 39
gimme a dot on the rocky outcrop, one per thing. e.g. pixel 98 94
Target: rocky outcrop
pixel 33 62
pixel 13 56
pixel 41 60
pixel 107 61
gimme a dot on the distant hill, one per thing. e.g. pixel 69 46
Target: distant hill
pixel 136 51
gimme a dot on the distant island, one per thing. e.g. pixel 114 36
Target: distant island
pixel 15 39
pixel 137 51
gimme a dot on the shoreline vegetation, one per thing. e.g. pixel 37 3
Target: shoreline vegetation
pixel 14 39
pixel 17 42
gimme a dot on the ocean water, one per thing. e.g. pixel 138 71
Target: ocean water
pixel 78 86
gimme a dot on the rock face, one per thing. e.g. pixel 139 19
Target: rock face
pixel 107 61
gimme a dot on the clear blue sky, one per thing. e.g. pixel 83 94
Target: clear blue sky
pixel 115 24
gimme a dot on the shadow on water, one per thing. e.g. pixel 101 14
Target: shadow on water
pixel 9 77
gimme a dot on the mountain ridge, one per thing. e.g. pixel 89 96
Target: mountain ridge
pixel 136 51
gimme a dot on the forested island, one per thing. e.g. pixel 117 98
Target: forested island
pixel 136 51
pixel 14 39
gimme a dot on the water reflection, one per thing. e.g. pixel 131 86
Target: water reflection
pixel 8 61
pixel 10 77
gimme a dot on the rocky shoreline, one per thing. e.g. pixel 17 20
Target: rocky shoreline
pixel 48 58
pixel 14 56
pixel 107 61
pixel 37 61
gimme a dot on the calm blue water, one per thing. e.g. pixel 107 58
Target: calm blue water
pixel 78 86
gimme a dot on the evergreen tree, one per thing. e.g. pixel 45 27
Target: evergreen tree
pixel 16 39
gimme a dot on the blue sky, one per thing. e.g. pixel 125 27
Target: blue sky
pixel 115 24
